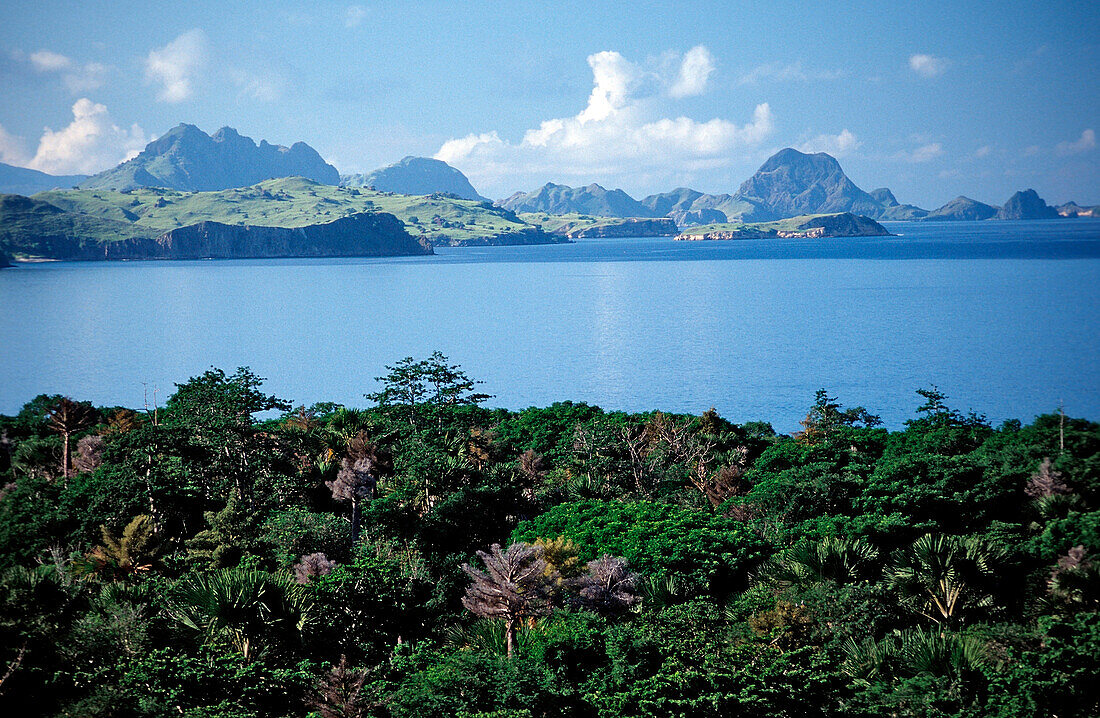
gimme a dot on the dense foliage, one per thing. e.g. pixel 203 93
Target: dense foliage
pixel 228 554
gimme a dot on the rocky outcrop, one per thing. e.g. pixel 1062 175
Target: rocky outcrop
pixel 357 235
pixel 793 183
pixel 1072 209
pixel 832 225
pixel 689 217
pixel 186 158
pixel 1026 205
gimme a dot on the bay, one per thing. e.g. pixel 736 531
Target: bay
pixel 1003 316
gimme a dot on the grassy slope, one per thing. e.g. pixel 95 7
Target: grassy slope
pixel 287 202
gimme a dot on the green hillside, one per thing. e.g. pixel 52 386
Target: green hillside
pixel 298 202
pixel 842 224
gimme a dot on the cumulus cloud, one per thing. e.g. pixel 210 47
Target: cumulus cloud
pixel 839 145
pixel 928 65
pixel 77 77
pixel 621 131
pixel 695 69
pixel 175 66
pixel 12 149
pixel 924 153
pixel 354 15
pixel 1084 143
pixel 90 143
pixel 793 72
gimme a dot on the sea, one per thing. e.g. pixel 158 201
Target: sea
pixel 1003 317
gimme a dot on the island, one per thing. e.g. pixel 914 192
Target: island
pixel 813 226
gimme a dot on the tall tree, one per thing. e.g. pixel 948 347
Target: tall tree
pixel 514 586
pixel 67 417
pixel 358 478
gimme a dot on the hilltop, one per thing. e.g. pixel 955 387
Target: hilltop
pixel 20 180
pixel 562 199
pixel 186 158
pixel 416 176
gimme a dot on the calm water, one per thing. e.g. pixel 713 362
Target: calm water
pixel 1004 317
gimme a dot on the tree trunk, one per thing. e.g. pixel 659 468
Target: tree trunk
pixel 510 635
pixel 65 456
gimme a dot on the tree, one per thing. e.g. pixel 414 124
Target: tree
pixel 514 586
pixel 826 417
pixel 942 576
pixel 67 417
pixel 135 550
pixel 357 480
pixel 840 560
pixel 339 693
pixel 414 388
pixel 608 586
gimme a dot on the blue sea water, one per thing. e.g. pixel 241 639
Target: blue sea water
pixel 1003 316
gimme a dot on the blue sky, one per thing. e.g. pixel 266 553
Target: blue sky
pixel 932 99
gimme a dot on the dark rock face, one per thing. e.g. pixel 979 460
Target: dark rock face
pixel 792 183
pixel 591 200
pixel 416 176
pixel 962 209
pixel 846 225
pixel 20 180
pixel 527 235
pixel 680 199
pixel 357 235
pixel 186 158
pixel 1026 205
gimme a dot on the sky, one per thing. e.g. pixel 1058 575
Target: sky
pixel 932 100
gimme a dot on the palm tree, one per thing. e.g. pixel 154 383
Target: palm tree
pixel 841 560
pixel 941 576
pixel 242 607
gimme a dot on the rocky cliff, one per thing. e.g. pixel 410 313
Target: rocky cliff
pixel 1027 205
pixel 357 235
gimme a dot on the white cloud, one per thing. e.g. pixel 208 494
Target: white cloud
pixel 924 153
pixel 1084 143
pixel 175 65
pixel 90 143
pixel 982 151
pixel 47 61
pixel 75 76
pixel 354 15
pixel 839 145
pixel 265 88
pixel 12 149
pixel 792 72
pixel 928 65
pixel 696 68
pixel 622 131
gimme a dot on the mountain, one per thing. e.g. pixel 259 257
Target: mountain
pixel 591 200
pixel 296 202
pixel 962 208
pixel 20 180
pixel 792 183
pixel 416 176
pixel 186 158
pixel 1026 205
